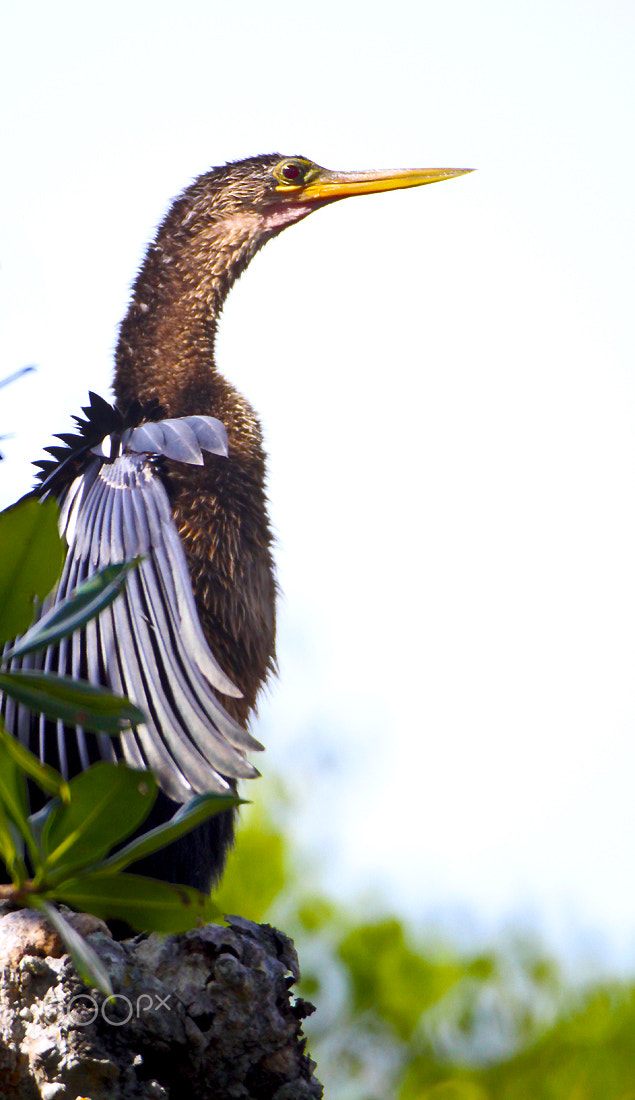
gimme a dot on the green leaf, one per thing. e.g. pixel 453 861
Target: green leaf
pixel 14 796
pixel 87 963
pixel 45 776
pixel 8 850
pixel 75 702
pixel 145 903
pixel 187 818
pixel 106 803
pixel 38 820
pixel 84 603
pixel 31 557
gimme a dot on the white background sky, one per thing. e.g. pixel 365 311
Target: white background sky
pixel 446 382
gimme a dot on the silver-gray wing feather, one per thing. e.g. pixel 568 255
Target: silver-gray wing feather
pixel 149 644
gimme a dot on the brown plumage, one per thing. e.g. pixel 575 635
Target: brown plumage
pixel 166 353
pixel 165 366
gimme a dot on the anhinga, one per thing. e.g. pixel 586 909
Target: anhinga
pixel 176 472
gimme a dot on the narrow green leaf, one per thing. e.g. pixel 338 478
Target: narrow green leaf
pixel 31 557
pixel 38 820
pixel 187 818
pixel 145 903
pixel 45 776
pixel 70 870
pixel 84 603
pixel 74 701
pixel 14 796
pixel 8 851
pixel 18 841
pixel 106 803
pixel 87 963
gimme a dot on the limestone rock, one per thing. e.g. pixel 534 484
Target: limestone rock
pixel 205 1014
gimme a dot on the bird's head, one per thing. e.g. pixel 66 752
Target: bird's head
pixel 209 236
pixel 281 190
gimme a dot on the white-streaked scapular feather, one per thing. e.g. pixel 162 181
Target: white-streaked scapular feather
pixel 149 644
pixel 183 439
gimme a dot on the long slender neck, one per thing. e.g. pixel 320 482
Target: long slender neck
pixel 166 341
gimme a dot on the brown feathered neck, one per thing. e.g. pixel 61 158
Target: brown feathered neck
pixel 166 342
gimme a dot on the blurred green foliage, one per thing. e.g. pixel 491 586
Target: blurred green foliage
pixel 404 1018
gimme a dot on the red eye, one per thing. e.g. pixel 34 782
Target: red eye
pixel 290 172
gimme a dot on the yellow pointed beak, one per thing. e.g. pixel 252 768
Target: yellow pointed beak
pixel 325 186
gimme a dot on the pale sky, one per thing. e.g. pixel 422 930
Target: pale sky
pixel 446 382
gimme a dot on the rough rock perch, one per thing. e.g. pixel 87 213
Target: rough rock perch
pixel 204 1014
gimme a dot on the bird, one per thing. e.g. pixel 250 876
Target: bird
pixel 174 471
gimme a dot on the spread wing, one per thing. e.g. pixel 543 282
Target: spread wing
pixel 149 644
